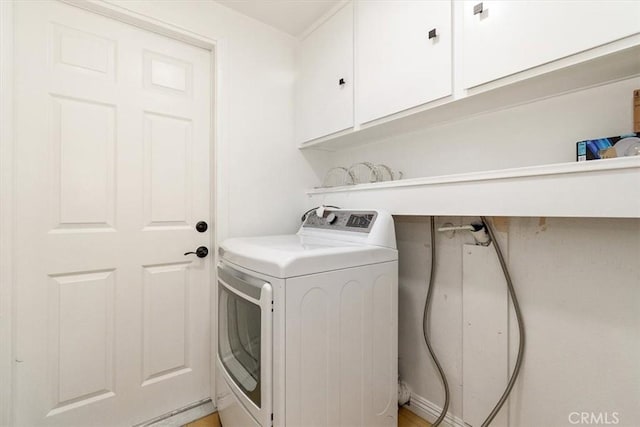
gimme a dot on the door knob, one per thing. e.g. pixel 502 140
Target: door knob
pixel 202 226
pixel 201 252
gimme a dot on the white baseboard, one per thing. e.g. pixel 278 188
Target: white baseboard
pixel 430 411
pixel 182 416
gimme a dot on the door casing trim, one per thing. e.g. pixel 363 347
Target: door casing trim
pixel 7 357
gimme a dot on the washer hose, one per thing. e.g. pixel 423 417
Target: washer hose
pixel 425 326
pixel 516 307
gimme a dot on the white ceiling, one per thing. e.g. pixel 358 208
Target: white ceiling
pixel 290 16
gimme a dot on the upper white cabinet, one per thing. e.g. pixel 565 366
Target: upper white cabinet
pixel 505 37
pixel 403 55
pixel 398 56
pixel 324 87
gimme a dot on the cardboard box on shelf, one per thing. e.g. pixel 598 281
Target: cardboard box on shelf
pixel 607 148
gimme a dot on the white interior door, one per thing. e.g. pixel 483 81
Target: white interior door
pixel 112 173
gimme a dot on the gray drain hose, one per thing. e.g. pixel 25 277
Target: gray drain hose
pixel 516 307
pixel 425 326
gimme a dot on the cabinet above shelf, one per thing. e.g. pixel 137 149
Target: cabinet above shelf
pixel 605 64
pixel 602 188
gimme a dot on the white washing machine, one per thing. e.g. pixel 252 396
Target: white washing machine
pixel 308 324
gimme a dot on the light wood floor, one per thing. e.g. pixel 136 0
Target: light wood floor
pixel 210 421
pixel 406 418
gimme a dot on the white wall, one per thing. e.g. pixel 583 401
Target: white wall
pixel 261 173
pixel 537 133
pixel 578 285
pixel 578 279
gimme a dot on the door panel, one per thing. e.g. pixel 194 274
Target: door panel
pixel 83 52
pixel 83 136
pixel 167 170
pixel 82 298
pixel 165 326
pixel 112 174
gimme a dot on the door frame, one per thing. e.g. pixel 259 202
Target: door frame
pixel 6 214
pixel 216 47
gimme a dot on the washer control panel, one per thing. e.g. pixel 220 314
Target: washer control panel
pixel 358 221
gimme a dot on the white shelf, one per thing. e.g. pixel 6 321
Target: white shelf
pixel 600 188
pixel 612 62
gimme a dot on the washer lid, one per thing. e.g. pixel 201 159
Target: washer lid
pixel 294 255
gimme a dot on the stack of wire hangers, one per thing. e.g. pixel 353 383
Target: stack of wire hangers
pixel 359 173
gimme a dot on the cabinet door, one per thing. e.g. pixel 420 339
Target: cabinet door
pixel 325 79
pixel 512 36
pixel 398 64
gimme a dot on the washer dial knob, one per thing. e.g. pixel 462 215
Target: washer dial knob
pixel 331 218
